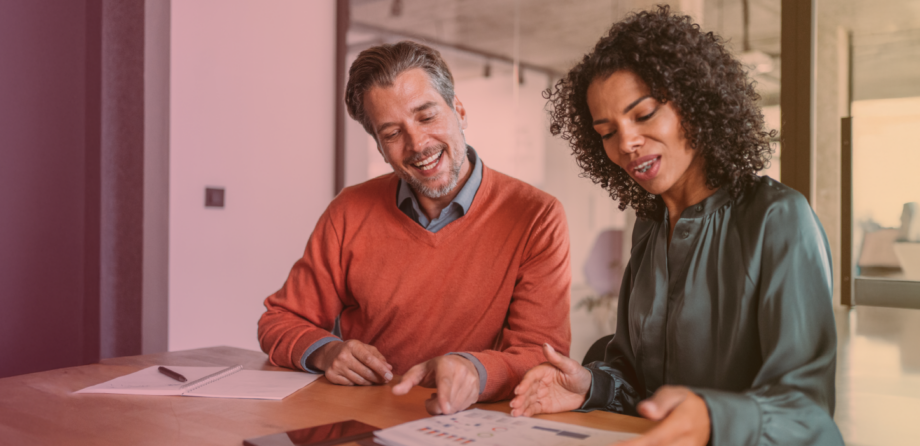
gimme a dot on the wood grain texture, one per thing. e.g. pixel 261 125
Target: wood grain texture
pixel 41 409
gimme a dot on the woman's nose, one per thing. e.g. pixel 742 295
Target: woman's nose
pixel 630 140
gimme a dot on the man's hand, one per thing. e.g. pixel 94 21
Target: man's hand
pixel 555 386
pixel 351 363
pixel 454 376
pixel 684 419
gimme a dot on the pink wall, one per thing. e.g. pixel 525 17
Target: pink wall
pixel 45 257
pixel 251 108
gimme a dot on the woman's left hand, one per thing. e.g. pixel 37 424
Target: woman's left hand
pixel 683 415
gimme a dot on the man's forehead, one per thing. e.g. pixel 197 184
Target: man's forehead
pixel 412 89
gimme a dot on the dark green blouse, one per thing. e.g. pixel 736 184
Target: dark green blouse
pixel 739 309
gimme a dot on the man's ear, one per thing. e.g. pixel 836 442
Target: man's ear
pixel 461 112
pixel 380 149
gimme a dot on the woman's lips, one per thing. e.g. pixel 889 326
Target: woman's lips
pixel 645 168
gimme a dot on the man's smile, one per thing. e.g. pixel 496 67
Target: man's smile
pixel 430 162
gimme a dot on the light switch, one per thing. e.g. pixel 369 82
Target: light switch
pixel 214 197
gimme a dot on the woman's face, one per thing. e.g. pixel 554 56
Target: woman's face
pixel 640 134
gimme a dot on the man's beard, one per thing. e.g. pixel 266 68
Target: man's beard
pixel 421 186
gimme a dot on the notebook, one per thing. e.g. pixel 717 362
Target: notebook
pixel 213 382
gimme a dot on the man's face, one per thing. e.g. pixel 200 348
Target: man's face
pixel 418 133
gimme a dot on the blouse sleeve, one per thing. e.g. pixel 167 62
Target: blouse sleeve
pixel 614 380
pixel 791 400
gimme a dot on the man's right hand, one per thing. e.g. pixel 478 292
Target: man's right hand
pixel 351 363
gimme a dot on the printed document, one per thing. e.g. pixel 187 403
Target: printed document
pixel 489 428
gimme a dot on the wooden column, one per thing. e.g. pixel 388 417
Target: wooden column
pixel 342 14
pixel 797 96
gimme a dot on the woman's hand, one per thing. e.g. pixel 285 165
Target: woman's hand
pixel 555 386
pixel 683 415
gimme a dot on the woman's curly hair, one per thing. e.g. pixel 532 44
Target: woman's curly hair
pixel 714 98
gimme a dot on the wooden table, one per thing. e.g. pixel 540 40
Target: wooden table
pixel 40 408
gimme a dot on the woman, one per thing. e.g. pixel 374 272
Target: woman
pixel 725 326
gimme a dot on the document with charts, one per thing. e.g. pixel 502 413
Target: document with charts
pixel 489 428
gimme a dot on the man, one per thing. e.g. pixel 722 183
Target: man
pixel 445 271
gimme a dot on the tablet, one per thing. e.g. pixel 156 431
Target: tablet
pixel 325 435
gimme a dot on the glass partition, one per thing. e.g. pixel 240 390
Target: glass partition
pixel 868 108
pixel 868 90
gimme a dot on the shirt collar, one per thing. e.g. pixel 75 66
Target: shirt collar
pixel 464 198
pixel 709 205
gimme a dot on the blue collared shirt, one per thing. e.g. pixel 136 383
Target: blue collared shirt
pixel 408 203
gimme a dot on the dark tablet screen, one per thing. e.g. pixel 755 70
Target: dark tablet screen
pixel 327 434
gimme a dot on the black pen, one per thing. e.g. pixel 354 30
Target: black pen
pixel 172 374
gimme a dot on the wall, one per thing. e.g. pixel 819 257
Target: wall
pixel 121 169
pixel 884 130
pixel 155 286
pixel 831 104
pixel 251 99
pixel 508 135
pixel 45 257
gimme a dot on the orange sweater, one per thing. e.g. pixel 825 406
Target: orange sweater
pixel 494 283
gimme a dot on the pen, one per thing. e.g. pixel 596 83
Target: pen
pixel 172 374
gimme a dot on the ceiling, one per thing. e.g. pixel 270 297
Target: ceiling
pixel 556 33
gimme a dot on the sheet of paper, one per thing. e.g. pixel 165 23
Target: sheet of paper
pixel 489 428
pixel 256 384
pixel 151 382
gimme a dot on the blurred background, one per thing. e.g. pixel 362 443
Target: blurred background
pixel 116 117
pixel 504 55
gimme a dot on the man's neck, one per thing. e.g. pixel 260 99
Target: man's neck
pixel 432 207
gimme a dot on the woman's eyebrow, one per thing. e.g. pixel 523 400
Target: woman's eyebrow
pixel 625 110
pixel 635 103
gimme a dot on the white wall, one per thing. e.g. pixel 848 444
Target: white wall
pixel 589 210
pixel 251 98
pixel 507 135
pixel 885 146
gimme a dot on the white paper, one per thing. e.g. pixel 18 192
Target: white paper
pixel 150 381
pixel 256 384
pixel 235 383
pixel 489 428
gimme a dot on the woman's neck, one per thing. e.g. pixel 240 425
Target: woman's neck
pixel 689 190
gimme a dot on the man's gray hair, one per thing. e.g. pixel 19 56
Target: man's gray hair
pixel 379 66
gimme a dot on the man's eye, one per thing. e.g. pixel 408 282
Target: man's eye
pixel 428 119
pixel 391 135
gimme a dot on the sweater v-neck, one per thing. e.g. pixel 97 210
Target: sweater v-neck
pixel 434 239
